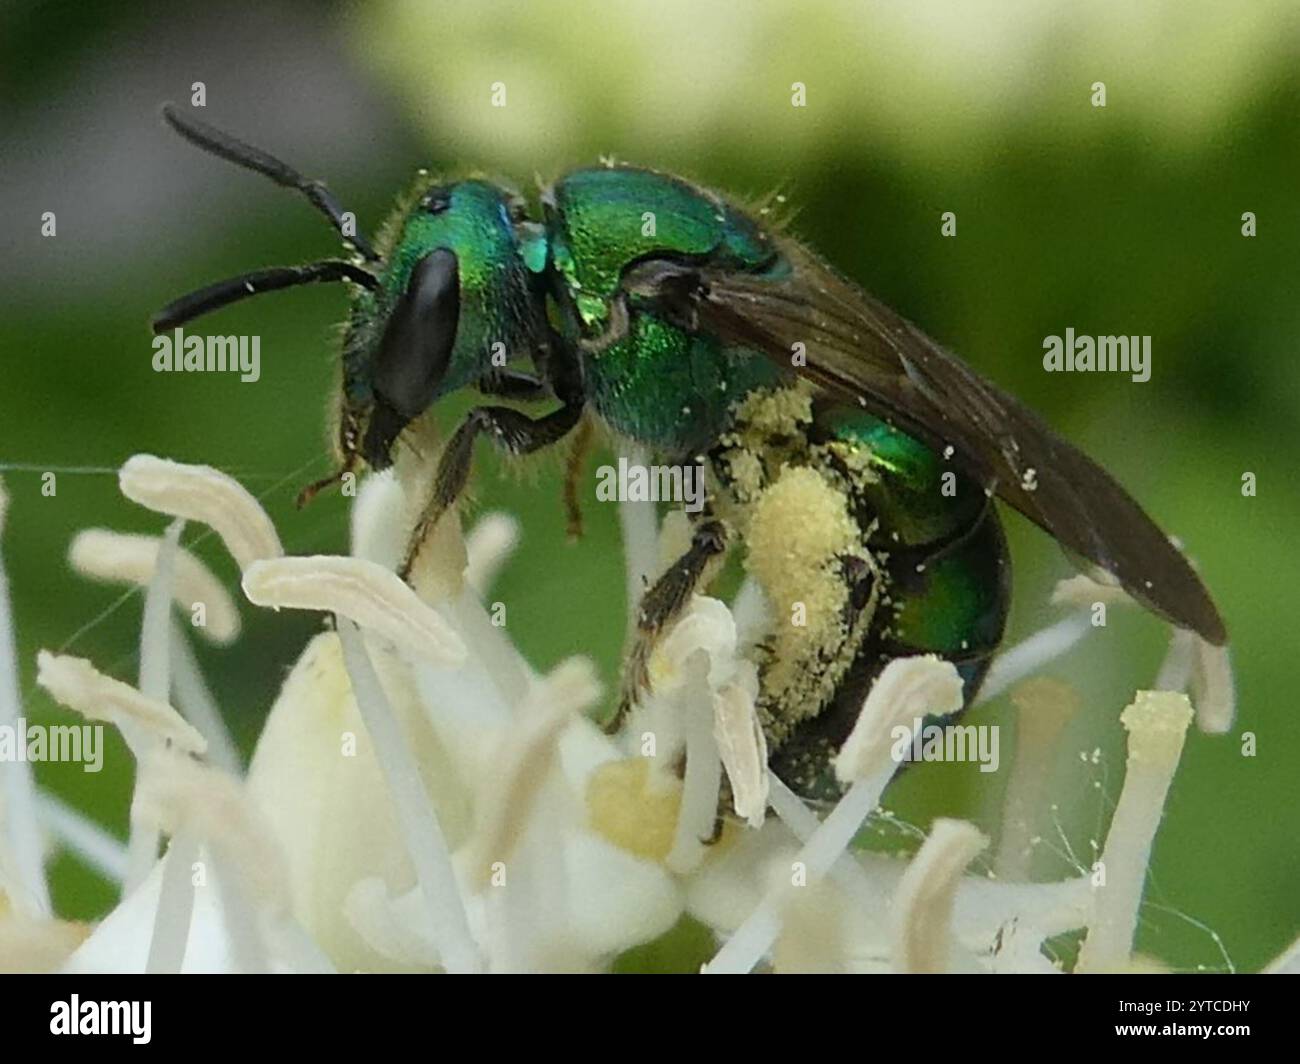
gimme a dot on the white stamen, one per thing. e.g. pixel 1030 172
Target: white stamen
pixel 248 948
pixel 100 554
pixel 197 705
pixel 177 795
pixel 362 591
pixel 489 546
pixel 524 910
pixel 1176 670
pixel 496 660
pixel 155 682
pixel 743 749
pixel 438 565
pixel 1157 725
pixel 77 684
pixel 82 837
pixel 171 926
pixel 155 667
pixel 191 801
pixel 1026 658
pixel 508 797
pixel 425 842
pixel 1083 590
pixel 923 906
pixel 705 625
pixel 907 688
pixel 699 808
pixel 20 831
pixel 1194 664
pixel 755 936
pixel 1043 708
pixel 379 522
pixel 847 873
pixel 1213 693
pixel 201 493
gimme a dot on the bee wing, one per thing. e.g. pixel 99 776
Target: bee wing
pixel 858 348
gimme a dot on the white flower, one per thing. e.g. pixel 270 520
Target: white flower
pixel 420 799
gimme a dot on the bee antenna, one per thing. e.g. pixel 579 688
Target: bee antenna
pixel 223 145
pixel 223 293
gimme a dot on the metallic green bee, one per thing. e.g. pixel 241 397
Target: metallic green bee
pixel 853 457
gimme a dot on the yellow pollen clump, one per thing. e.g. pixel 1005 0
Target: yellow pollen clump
pixel 746 473
pixel 783 412
pixel 799 524
pixel 1157 725
pixel 799 529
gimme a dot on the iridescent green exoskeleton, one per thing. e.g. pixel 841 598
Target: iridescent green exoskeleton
pixel 852 459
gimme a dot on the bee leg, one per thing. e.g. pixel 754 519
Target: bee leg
pixel 573 474
pixel 348 453
pixel 661 604
pixel 310 491
pixel 512 430
pixel 514 384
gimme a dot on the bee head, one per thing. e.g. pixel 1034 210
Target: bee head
pixel 454 303
pixel 445 301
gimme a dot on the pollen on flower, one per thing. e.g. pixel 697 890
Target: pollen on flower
pixel 421 799
pixel 746 472
pixel 634 807
pixel 1157 725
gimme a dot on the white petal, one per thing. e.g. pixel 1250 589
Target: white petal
pixel 315 778
pixel 617 900
pixel 120 943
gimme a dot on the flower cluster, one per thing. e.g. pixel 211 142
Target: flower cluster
pixel 420 799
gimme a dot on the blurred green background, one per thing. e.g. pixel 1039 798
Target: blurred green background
pixel 1122 219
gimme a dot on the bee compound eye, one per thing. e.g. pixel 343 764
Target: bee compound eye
pixel 418 338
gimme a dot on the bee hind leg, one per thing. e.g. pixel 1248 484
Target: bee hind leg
pixel 662 604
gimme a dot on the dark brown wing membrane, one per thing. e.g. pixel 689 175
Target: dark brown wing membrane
pixel 859 348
